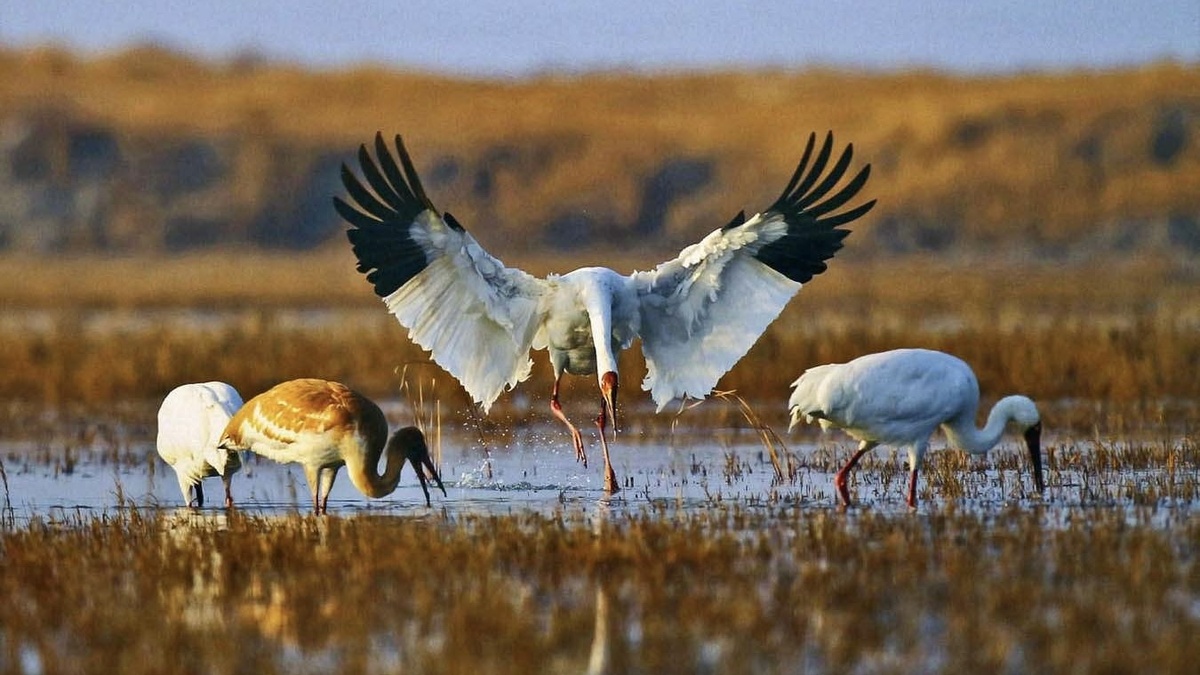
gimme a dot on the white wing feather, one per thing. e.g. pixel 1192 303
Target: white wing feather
pixel 474 315
pixel 697 314
pixel 702 311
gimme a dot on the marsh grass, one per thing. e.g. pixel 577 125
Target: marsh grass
pixel 1121 352
pixel 426 414
pixel 771 442
pixel 8 516
pixel 1101 574
pixel 730 589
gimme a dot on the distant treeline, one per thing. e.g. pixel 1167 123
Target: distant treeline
pixel 147 151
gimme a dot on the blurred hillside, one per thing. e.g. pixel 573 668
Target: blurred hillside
pixel 149 152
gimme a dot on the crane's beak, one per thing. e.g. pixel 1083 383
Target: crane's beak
pixel 609 384
pixel 418 453
pixel 1033 439
pixel 426 465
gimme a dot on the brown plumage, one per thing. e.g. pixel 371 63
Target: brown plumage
pixel 323 426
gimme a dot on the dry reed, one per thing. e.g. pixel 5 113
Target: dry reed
pixel 731 589
pixel 1122 350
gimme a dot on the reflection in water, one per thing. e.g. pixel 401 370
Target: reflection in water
pixel 598 660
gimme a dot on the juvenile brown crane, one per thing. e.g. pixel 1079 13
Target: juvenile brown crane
pixel 323 426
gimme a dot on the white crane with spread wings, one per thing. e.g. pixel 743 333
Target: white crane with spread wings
pixel 696 315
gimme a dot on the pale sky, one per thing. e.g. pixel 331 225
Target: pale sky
pixel 495 38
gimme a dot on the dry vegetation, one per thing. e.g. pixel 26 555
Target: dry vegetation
pixel 731 590
pixel 1121 339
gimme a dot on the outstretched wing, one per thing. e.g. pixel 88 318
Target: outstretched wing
pixel 474 315
pixel 702 311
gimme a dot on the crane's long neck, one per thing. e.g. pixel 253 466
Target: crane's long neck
pixel 362 465
pixel 599 308
pixel 963 434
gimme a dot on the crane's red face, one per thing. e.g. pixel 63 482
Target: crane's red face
pixel 1033 439
pixel 608 391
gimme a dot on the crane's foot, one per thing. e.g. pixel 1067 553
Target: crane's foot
pixel 576 437
pixel 611 485
pixel 577 440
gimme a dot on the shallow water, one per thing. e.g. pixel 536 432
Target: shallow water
pixel 536 471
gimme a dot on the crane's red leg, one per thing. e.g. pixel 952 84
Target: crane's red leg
pixel 839 480
pixel 576 437
pixel 610 476
pixel 228 494
pixel 915 454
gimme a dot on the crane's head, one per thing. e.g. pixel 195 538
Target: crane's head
pixel 417 452
pixel 1023 411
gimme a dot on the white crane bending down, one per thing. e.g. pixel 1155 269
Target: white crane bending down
pixel 696 315
pixel 190 422
pixel 324 426
pixel 900 398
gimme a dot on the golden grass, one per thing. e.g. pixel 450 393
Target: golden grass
pixel 728 589
pixel 1121 337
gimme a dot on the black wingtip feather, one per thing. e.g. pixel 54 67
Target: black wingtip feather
pixel 352 215
pixel 414 181
pixel 807 207
pixel 389 257
pixel 382 216
pixel 799 172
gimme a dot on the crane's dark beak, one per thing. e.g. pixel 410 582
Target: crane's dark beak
pixel 1033 439
pixel 426 465
pixel 609 384
pixel 417 452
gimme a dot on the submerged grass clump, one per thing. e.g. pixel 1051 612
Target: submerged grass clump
pixel 731 589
